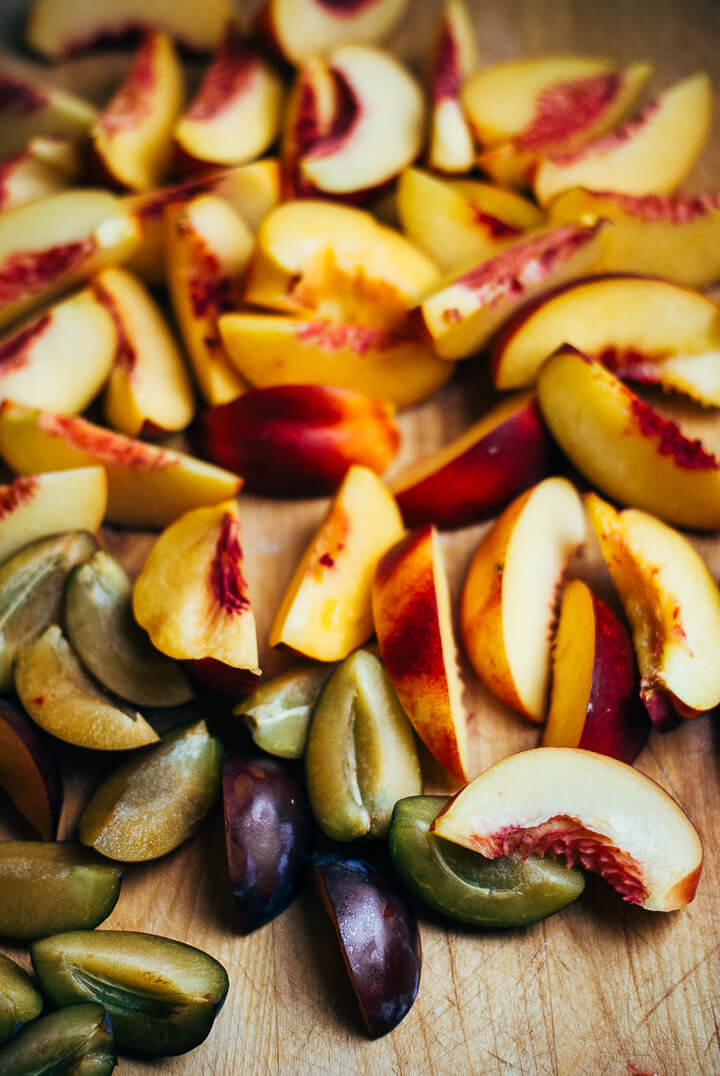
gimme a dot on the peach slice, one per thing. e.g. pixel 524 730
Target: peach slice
pixel 452 62
pixel 508 600
pixel 235 115
pixel 327 608
pixel 476 475
pixel 271 351
pixel 300 29
pixel 207 248
pixel 586 808
pixel 650 154
pixel 678 234
pixel 644 330
pixel 39 360
pixel 673 607
pixel 28 108
pixel 62 28
pixel 149 391
pixel 252 190
pixel 378 126
pixel 308 251
pixel 594 702
pixel 132 138
pixel 38 505
pixel 413 620
pixel 314 106
pixel 568 115
pixel 192 598
pixel 29 773
pixel 462 223
pixel 299 440
pixel 26 177
pixel 148 486
pixel 624 446
pixel 463 314
pixel 49 245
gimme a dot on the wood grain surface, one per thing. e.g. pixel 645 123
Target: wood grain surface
pixel 601 988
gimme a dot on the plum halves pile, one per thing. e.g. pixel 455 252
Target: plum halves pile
pixel 257 285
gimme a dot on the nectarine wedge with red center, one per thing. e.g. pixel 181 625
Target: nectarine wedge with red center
pixel 413 622
pixel 462 315
pixel 148 486
pixel 192 598
pixel 301 29
pixel 25 177
pixel 676 234
pixel 38 505
pixel 588 809
pixel 508 601
pixel 132 138
pixel 594 702
pixel 28 108
pixel 644 330
pixel 624 446
pixel 312 110
pixel 477 474
pixel 452 61
pixel 149 391
pixel 673 607
pixel 326 611
pixel 29 773
pixel 649 154
pixel 298 440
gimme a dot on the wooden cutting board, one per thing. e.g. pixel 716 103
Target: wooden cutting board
pixel 601 988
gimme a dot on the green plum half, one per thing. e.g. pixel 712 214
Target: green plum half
pixel 278 713
pixel 75 1041
pixel 19 1000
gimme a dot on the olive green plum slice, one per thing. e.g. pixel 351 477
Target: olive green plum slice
pixel 19 1000
pixel 31 591
pixel 162 996
pixel 461 884
pixel 75 1041
pixel 278 713
pixel 103 631
pixel 60 697
pixel 361 755
pixel 29 772
pixel 157 799
pixel 46 887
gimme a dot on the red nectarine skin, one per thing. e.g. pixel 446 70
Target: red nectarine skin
pixel 21 491
pixel 226 577
pixel 446 81
pixel 132 102
pixel 345 7
pixel 29 270
pixel 672 442
pixel 153 205
pixel 671 208
pixel 567 108
pixel 111 448
pixel 14 352
pixel 125 354
pixel 496 228
pixel 221 677
pixel 226 76
pixel 20 97
pixel 621 134
pixel 310 141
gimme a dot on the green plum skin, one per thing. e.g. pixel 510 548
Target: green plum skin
pixel 19 1000
pixel 76 1041
pixel 462 885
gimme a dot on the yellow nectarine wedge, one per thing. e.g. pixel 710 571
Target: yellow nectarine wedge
pixel 149 391
pixel 327 609
pixel 191 595
pixel 132 138
pixel 25 177
pixel 588 809
pixel 272 350
pixel 301 29
pixel 508 599
pixel 29 108
pixel 673 607
pixel 148 486
pixel 413 622
pixel 207 247
pixel 624 446
pixel 36 506
pixel 649 154
pixel 452 61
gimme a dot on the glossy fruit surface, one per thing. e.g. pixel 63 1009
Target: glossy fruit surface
pixel 20 1001
pixel 278 713
pixel 76 1041
pixel 29 772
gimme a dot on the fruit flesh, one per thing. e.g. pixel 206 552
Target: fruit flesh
pixel 278 713
pixel 29 773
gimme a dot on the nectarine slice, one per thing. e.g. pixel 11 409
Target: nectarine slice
pixel 149 391
pixel 29 108
pixel 678 235
pixel 148 486
pixel 624 446
pixel 413 621
pixel 594 701
pixel 326 611
pixel 301 29
pixel 649 154
pixel 462 314
pixel 478 473
pixel 271 351
pixel 29 773
pixel 589 809
pixel 673 607
pixel 35 506
pixel 132 138
pixel 644 330
pixel 508 600
pixel 191 595
pixel 452 61
pixel 26 178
